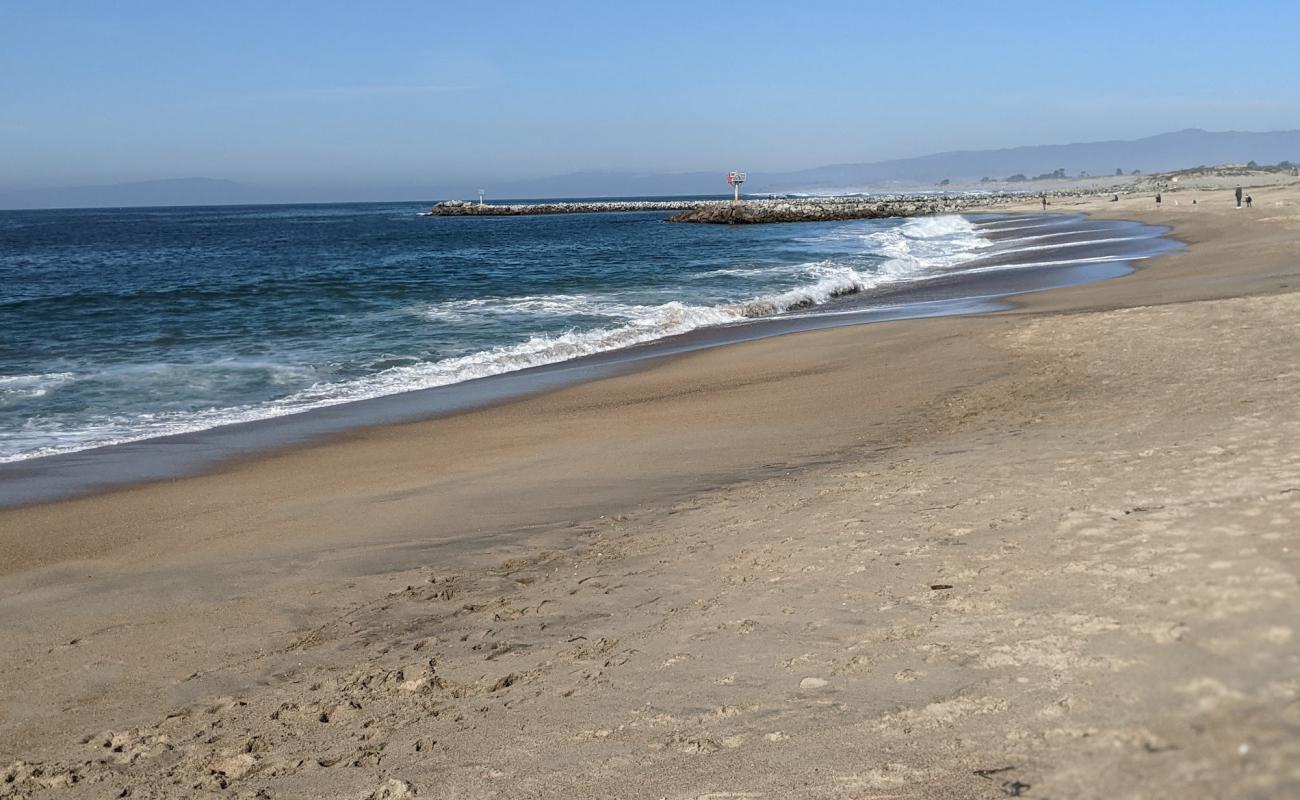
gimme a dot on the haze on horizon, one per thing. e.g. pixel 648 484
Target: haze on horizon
pixel 345 97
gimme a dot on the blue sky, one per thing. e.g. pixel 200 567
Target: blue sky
pixel 357 94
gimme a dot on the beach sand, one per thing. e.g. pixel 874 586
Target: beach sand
pixel 1051 552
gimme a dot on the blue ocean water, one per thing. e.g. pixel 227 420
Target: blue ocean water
pixel 118 325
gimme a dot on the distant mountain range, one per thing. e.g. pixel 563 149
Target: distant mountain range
pixel 1164 152
pixel 1160 153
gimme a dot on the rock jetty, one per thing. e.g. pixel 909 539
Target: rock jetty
pixel 824 209
pixel 746 212
pixel 465 208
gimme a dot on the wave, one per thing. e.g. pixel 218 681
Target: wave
pixel 926 244
pixel 22 387
pixel 1056 263
pixel 1071 232
pixel 1063 245
pixel 840 282
pixel 911 250
pixel 994 227
pixel 533 306
pixel 665 320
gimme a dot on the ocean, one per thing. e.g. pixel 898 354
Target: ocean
pixel 120 325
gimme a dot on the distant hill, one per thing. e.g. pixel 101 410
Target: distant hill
pixel 1161 153
pixel 1164 152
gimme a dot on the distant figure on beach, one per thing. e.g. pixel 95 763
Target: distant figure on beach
pixel 1043 197
pixel 1248 201
pixel 1157 198
pixel 1238 197
pixel 1114 198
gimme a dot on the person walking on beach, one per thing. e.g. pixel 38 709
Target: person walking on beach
pixel 1043 197
pixel 1238 197
pixel 1157 199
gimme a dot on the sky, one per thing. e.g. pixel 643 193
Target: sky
pixel 348 94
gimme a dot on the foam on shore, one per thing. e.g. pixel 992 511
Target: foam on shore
pixel 913 250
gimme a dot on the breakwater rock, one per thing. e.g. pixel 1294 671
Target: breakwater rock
pixel 747 212
pixel 463 208
pixel 824 209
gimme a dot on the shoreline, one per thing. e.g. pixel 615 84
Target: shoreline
pixel 88 471
pixel 900 558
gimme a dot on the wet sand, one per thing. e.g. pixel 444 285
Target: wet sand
pixel 1049 552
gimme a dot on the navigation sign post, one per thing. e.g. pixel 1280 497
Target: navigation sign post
pixel 734 179
pixel 480 197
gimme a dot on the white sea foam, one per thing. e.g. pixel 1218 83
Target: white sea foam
pixel 995 227
pixel 923 245
pixel 17 387
pixel 1055 263
pixel 752 272
pixel 835 282
pixel 913 249
pixel 527 306
pixel 1064 245
pixel 1036 237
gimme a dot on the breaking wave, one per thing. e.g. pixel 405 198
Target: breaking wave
pixel 592 322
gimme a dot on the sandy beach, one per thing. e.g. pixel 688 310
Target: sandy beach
pixel 1050 552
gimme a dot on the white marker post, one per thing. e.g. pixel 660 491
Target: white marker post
pixel 734 179
pixel 480 197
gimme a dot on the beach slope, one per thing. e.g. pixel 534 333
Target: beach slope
pixel 1051 552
